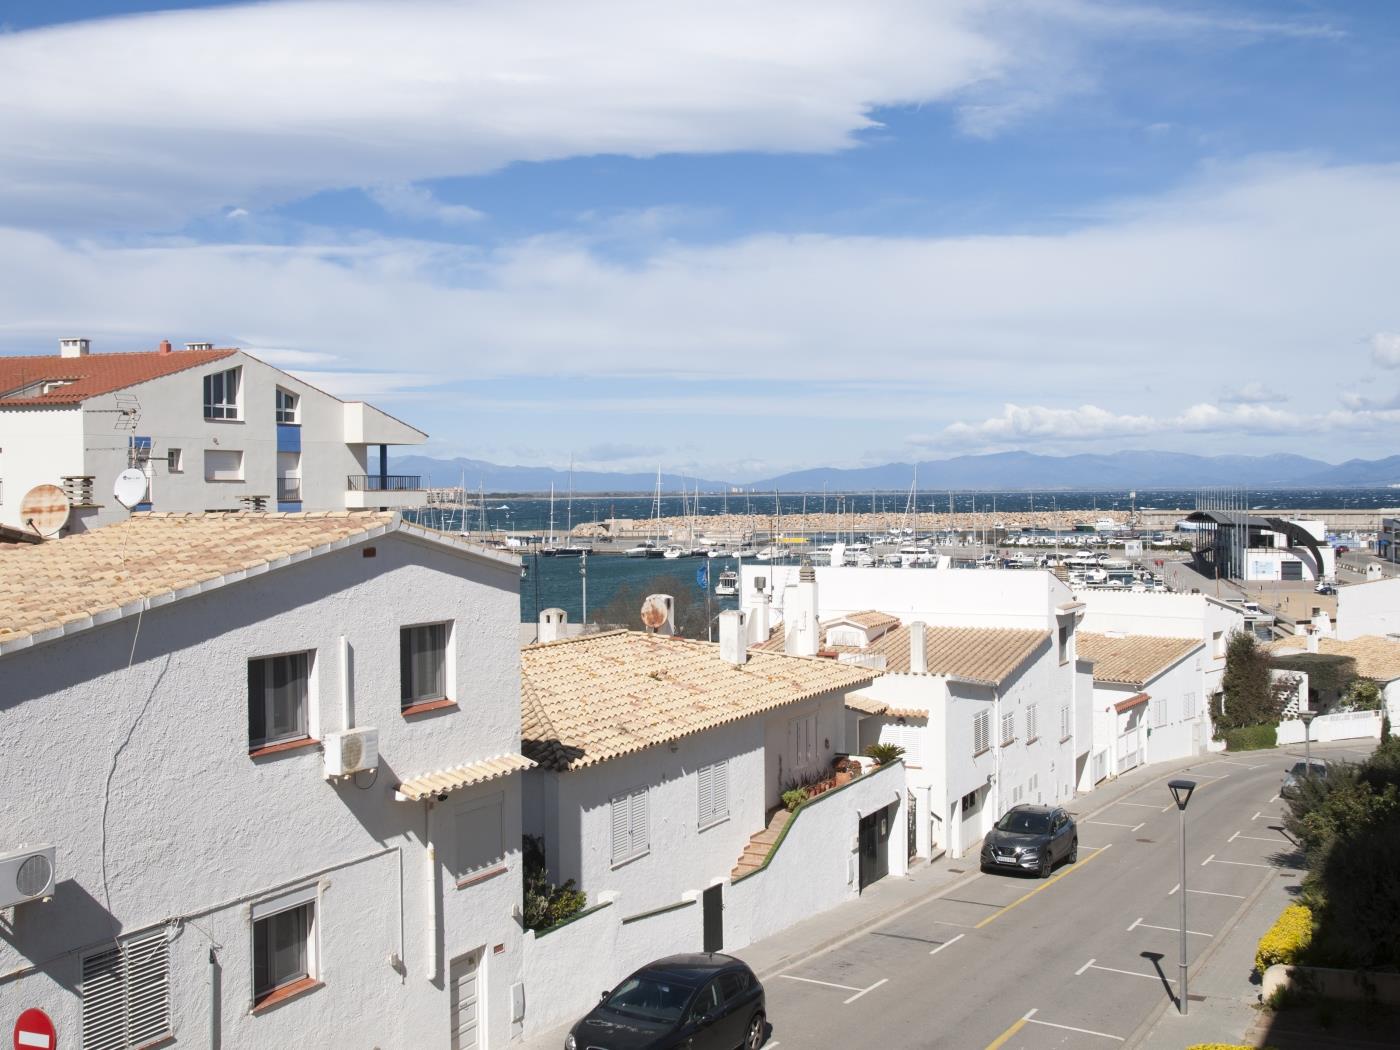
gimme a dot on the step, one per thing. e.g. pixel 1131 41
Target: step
pixel 742 869
pixel 755 854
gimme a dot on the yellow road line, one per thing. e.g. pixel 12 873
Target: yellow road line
pixel 1039 889
pixel 1001 1040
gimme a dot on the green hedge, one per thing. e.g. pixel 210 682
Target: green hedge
pixel 1286 940
pixel 1250 738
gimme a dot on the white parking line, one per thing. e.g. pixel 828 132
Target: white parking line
pixel 1208 893
pixel 1274 799
pixel 1235 863
pixel 858 994
pixel 809 980
pixel 1091 965
pixel 1258 838
pixel 1169 929
pixel 1257 815
pixel 1207 860
pixel 945 944
pixel 1140 805
pixel 1227 762
pixel 1232 838
pixel 1111 824
pixel 1070 1028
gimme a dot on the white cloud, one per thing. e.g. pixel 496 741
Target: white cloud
pixel 1271 269
pixel 1385 349
pixel 414 202
pixel 1253 393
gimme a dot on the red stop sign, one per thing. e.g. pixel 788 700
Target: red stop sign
pixel 34 1031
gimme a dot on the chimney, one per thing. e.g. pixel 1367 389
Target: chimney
pixel 659 614
pixel 803 634
pixel 199 346
pixel 1312 640
pixel 918 649
pixel 758 623
pixel 733 644
pixel 164 347
pixel 552 625
pixel 74 347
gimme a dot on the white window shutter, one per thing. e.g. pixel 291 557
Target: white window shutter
pixel 621 828
pixel 721 789
pixel 126 994
pixel 705 782
pixel 640 840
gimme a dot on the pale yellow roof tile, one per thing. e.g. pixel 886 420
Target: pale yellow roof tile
pixel 1377 657
pixel 1132 659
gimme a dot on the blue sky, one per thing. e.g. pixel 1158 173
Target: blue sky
pixel 726 238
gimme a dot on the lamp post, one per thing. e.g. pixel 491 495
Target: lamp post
pixel 1181 794
pixel 1307 717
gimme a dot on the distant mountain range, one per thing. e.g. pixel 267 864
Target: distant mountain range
pixel 999 471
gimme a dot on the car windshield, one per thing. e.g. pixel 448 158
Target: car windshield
pixel 1300 769
pixel 1022 822
pixel 650 999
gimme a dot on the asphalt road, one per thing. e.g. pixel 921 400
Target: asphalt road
pixel 1079 960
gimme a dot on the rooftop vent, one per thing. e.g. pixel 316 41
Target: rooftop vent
pixel 74 347
pixel 199 346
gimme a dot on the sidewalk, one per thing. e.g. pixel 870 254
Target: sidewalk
pixel 890 898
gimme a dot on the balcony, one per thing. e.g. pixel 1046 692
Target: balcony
pixel 289 490
pixel 384 490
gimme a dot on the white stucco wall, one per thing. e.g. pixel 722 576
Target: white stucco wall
pixel 1174 692
pixel 1368 608
pixel 197 831
pixel 38 446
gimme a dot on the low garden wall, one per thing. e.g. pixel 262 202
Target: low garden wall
pixel 1344 725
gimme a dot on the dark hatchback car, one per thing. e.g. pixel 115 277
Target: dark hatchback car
pixel 695 1002
pixel 1031 838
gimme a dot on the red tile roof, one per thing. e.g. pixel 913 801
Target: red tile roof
pixel 85 377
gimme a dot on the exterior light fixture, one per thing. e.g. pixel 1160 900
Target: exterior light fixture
pixel 1181 794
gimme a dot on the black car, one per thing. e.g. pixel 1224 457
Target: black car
pixel 1031 838
pixel 699 1002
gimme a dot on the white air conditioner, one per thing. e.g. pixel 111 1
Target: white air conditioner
pixel 26 875
pixel 351 751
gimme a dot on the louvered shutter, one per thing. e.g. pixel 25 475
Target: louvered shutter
pixel 640 841
pixel 705 780
pixel 126 994
pixel 621 828
pixel 721 789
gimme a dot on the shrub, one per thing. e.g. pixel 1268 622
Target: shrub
pixel 883 754
pixel 1286 940
pixel 1252 697
pixel 1250 738
pixel 1364 695
pixel 794 798
pixel 546 905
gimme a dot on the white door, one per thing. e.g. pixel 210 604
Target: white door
pixel 465 994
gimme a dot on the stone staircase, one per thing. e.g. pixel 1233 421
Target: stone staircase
pixel 758 848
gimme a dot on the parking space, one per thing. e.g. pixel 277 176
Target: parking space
pixel 1036 1030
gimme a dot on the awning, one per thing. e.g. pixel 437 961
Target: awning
pixel 860 700
pixel 426 785
pixel 1131 702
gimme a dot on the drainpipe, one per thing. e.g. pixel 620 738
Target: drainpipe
pixel 383 467
pixel 347 719
pixel 996 774
pixel 215 1038
pixel 431 854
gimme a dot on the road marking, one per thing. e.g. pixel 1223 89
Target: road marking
pixel 1258 838
pixel 1208 893
pixel 1207 860
pixel 1001 1040
pixel 1257 815
pixel 1274 799
pixel 1071 1028
pixel 959 925
pixel 1169 929
pixel 1232 838
pixel 1140 805
pixel 809 980
pixel 1111 824
pixel 1091 965
pixel 1236 863
pixel 945 944
pixel 1043 886
pixel 1227 762
pixel 882 980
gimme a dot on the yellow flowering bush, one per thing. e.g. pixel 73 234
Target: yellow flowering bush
pixel 1286 939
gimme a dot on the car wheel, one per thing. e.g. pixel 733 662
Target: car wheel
pixel 1046 864
pixel 755 1037
pixel 1073 851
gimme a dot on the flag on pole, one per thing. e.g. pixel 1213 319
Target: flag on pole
pixel 702 577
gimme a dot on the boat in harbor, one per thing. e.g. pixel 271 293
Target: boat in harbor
pixel 728 584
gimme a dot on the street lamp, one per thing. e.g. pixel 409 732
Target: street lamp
pixel 1181 794
pixel 1307 717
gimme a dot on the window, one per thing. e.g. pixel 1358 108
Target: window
pixel 481 843
pixel 422 663
pixel 1191 706
pixel 278 689
pixel 1064 643
pixel 1159 712
pixel 287 405
pixel 221 464
pixel 1017 793
pixel 629 826
pixel 1008 728
pixel 802 742
pixel 221 395
pixel 174 461
pixel 713 786
pixel 981 732
pixel 1033 786
pixel 969 802
pixel 126 994
pixel 1064 723
pixel 909 737
pixel 284 944
pixel 707 1002
pixel 1031 733
pixel 1217 639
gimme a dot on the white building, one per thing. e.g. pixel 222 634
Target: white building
pixel 992 712
pixel 212 429
pixel 178 691
pixel 1368 608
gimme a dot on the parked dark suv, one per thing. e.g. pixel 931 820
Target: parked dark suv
pixel 699 1002
pixel 1031 838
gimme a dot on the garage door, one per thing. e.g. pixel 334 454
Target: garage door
pixel 465 993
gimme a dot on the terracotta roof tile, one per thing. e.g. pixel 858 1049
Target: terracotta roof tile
pixel 871 618
pixel 85 377
pixel 589 699
pixel 1132 659
pixel 425 785
pixel 1377 657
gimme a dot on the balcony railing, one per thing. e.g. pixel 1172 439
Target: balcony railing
pixel 384 482
pixel 289 490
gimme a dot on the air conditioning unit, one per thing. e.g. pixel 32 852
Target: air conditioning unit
pixel 350 751
pixel 26 875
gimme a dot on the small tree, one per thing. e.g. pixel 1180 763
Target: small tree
pixel 1251 696
pixel 546 904
pixel 1364 695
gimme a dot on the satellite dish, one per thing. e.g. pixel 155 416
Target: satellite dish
pixel 130 488
pixel 44 509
